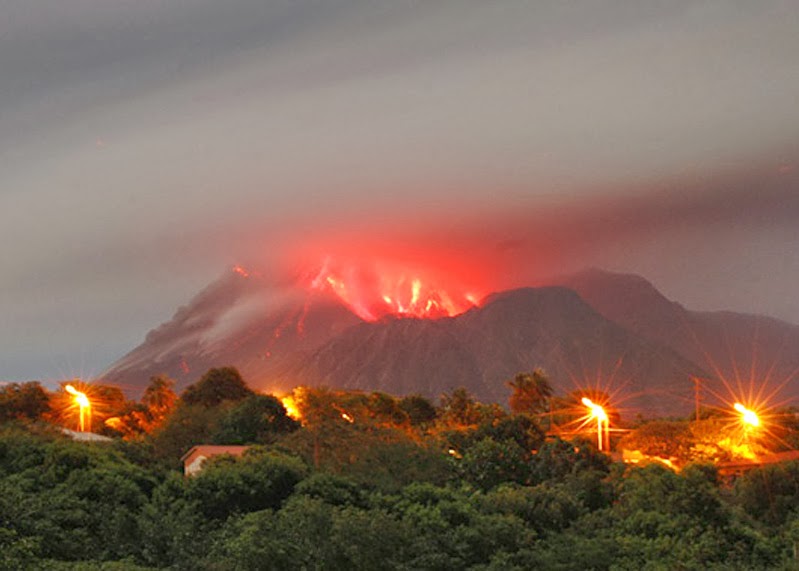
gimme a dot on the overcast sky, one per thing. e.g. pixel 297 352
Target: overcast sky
pixel 147 145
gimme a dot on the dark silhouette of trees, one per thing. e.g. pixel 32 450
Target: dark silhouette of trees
pixel 23 401
pixel 385 495
pixel 216 386
pixel 420 410
pixel 257 481
pixel 256 419
pixel 531 392
pixel 158 401
pixel 460 409
pixel 160 397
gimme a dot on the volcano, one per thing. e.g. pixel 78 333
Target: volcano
pixel 510 332
pixel 240 319
pixel 416 333
pixel 749 357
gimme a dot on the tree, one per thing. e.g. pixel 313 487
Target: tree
pixel 547 508
pixel 333 489
pixel 385 410
pixel 255 419
pixel 661 438
pixel 159 397
pixel 23 401
pixel 559 459
pixel 420 410
pixel 296 537
pixel 490 463
pixel 770 493
pixel 174 533
pixel 461 409
pixel 216 386
pixel 135 419
pixel 188 426
pixel 520 428
pixel 256 481
pixel 692 493
pixel 75 502
pixel 17 552
pixel 531 392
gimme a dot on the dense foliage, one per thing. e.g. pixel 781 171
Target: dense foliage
pixel 370 481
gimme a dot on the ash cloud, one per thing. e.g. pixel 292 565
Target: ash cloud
pixel 145 146
pixel 707 243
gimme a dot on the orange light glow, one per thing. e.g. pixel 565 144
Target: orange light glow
pixel 241 271
pixel 747 416
pixel 374 290
pixel 84 406
pixel 347 417
pixel 290 404
pixel 596 410
pixel 601 417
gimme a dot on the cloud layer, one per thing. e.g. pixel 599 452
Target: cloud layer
pixel 145 146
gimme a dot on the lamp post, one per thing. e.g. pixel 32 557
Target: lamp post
pixel 748 417
pixel 84 405
pixel 601 416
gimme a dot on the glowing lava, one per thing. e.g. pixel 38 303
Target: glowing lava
pixel 241 271
pixel 375 290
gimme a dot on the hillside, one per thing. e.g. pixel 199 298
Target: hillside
pixel 741 350
pixel 280 338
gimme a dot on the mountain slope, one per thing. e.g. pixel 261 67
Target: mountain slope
pixel 486 346
pixel 740 352
pixel 237 320
pixel 619 334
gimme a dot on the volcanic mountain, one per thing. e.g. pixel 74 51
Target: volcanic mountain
pixel 596 330
pixel 243 320
pixel 512 331
pixel 746 356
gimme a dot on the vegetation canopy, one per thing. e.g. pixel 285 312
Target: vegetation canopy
pixel 354 480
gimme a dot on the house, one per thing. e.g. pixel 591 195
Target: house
pixel 193 459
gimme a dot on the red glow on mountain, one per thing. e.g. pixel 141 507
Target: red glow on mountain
pixel 377 289
pixel 241 271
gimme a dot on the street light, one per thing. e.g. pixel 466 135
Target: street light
pixel 747 416
pixel 601 416
pixel 85 407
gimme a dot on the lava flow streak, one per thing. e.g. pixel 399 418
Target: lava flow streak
pixel 375 290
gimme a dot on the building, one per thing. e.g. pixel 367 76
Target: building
pixel 193 459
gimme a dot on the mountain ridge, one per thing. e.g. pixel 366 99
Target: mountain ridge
pixel 737 349
pixel 593 329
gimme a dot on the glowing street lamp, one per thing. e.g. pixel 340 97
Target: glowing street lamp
pixel 84 405
pixel 601 416
pixel 747 416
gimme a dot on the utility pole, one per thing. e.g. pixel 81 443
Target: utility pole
pixel 697 394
